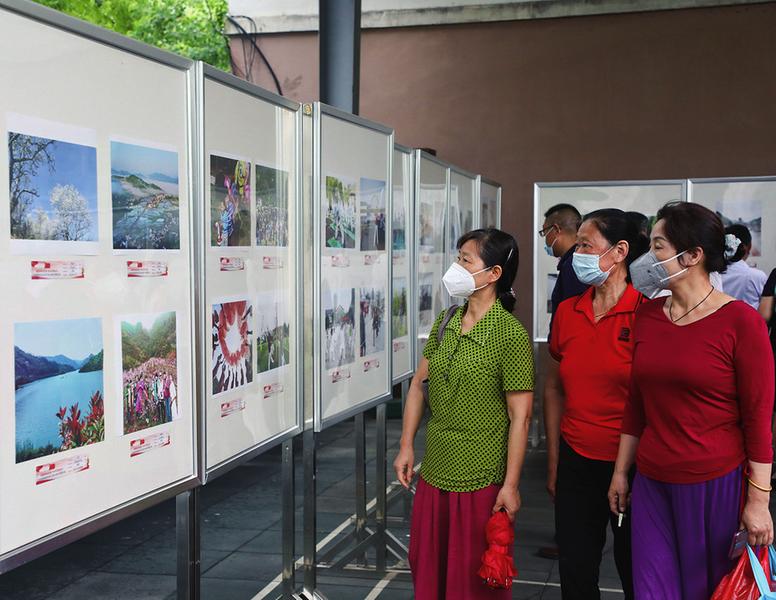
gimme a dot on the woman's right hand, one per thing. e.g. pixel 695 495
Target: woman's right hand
pixel 619 493
pixel 404 465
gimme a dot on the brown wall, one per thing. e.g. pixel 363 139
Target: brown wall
pixel 670 94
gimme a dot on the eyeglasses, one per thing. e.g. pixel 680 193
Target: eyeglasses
pixel 546 230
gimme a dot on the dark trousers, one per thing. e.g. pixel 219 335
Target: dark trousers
pixel 581 517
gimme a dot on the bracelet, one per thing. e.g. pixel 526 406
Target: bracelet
pixel 762 489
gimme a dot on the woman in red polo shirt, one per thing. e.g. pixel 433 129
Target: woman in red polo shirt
pixel 698 418
pixel 592 341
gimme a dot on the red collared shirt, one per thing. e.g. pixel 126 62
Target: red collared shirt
pixel 595 367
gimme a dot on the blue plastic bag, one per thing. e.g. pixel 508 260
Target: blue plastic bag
pixel 760 578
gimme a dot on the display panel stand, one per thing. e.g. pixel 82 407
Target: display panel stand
pixel 188 542
pixel 288 490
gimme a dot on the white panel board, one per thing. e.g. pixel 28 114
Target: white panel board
pixel 404 288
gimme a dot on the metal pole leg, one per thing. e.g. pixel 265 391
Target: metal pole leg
pixel 406 497
pixel 187 533
pixel 310 582
pixel 381 484
pixel 288 518
pixel 360 431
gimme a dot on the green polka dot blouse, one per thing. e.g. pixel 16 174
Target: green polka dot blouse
pixel 469 375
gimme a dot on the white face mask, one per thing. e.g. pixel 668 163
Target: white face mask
pixel 459 282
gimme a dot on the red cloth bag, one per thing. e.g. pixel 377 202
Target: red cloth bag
pixel 498 569
pixel 740 583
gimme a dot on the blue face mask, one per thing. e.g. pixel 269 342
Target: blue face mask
pixel 548 247
pixel 588 269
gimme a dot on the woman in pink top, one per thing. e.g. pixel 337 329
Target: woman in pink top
pixel 697 421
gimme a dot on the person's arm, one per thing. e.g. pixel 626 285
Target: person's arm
pixel 753 361
pixel 413 414
pixel 619 489
pixel 766 298
pixel 554 401
pixel 519 408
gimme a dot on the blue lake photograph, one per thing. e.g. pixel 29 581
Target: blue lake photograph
pixel 58 376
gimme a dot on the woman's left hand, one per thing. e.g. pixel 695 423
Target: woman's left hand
pixel 757 519
pixel 509 499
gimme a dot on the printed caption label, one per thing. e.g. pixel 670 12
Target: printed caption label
pixel 371 364
pixel 61 468
pixel 372 259
pixel 147 443
pixel 232 263
pixel 146 268
pixel 340 375
pixel 271 262
pixel 231 407
pixel 56 269
pixel 397 346
pixel 272 389
pixel 340 260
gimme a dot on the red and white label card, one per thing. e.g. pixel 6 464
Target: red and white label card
pixel 60 468
pixel 371 364
pixel 147 268
pixel 147 443
pixel 232 263
pixel 397 346
pixel 371 259
pixel 272 389
pixel 271 262
pixel 56 269
pixel 340 260
pixel 425 258
pixel 232 406
pixel 340 375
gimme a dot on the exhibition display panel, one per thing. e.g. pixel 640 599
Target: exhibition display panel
pixel 250 231
pixel 489 202
pixel 403 296
pixel 431 201
pixel 645 197
pixel 747 201
pixel 96 250
pixel 352 190
pixel 462 209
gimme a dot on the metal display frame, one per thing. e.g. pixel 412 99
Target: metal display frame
pixel 208 72
pixel 410 248
pixel 320 111
pixel 481 179
pixel 538 220
pixel 186 486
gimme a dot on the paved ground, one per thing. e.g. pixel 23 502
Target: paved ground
pixel 135 559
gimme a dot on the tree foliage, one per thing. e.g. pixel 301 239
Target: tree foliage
pixel 192 28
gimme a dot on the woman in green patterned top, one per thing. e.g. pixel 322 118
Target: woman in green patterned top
pixel 481 380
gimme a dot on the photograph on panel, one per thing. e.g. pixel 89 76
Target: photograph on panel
pixel 372 205
pixel 371 321
pixel 425 299
pixel 398 231
pixel 149 370
pixel 340 213
pixel 58 377
pixel 273 339
pixel 454 220
pixel 232 333
pixel 399 308
pixel 230 197
pixel 144 190
pixel 271 206
pixel 339 308
pixel 52 190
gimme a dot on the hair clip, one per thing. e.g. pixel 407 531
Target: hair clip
pixel 512 292
pixel 731 245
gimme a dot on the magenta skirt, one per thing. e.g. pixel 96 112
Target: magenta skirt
pixel 447 540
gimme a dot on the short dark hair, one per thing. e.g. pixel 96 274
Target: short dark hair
pixel 640 220
pixel 497 247
pixel 690 225
pixel 615 225
pixel 744 236
pixel 564 216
